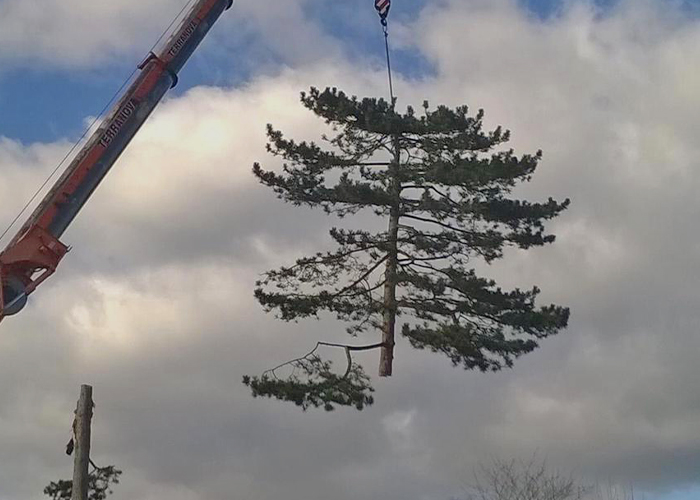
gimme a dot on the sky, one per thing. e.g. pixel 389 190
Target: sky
pixel 154 306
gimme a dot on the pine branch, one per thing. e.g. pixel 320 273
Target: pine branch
pixel 436 222
pixel 362 278
pixel 321 387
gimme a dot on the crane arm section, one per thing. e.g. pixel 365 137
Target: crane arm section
pixel 35 252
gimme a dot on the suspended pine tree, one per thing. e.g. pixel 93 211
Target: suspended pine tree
pixel 443 185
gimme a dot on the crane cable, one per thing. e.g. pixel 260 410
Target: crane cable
pixel 383 7
pixel 385 28
pixel 94 122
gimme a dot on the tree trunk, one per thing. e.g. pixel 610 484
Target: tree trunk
pixel 386 358
pixel 83 417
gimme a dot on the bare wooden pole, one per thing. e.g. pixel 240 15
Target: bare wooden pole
pixel 83 419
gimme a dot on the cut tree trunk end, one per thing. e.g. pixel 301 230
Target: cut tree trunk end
pixel 386 360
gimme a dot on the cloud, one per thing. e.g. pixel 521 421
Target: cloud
pixel 79 34
pixel 154 305
pixel 76 33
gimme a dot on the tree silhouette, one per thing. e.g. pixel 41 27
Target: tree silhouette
pixel 442 185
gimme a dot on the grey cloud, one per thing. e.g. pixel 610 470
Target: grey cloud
pixel 155 309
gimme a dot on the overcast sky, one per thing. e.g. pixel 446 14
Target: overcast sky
pixel 154 306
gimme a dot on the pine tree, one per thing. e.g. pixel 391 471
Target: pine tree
pixel 100 483
pixel 442 185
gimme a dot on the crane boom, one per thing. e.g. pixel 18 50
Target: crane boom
pixel 35 252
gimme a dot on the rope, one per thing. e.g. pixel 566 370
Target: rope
pixel 90 127
pixel 385 28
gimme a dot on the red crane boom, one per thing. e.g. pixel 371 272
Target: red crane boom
pixel 35 252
